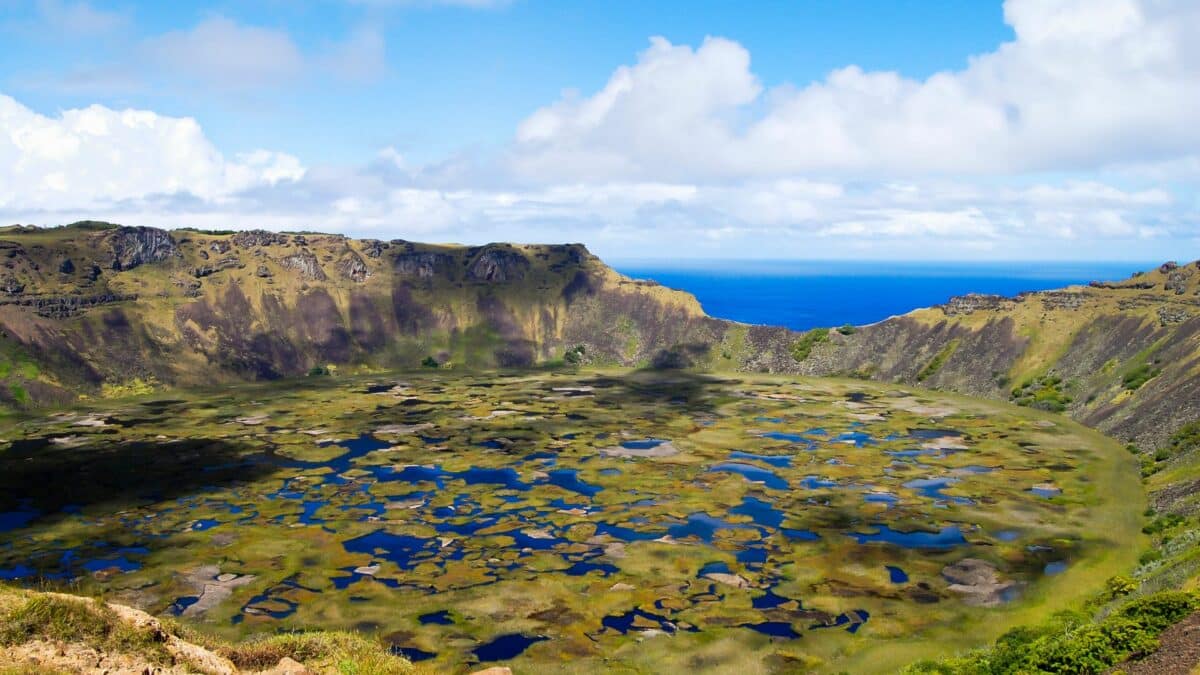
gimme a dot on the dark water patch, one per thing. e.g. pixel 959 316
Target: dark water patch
pixel 204 524
pixel 646 444
pixel 506 647
pixel 851 621
pixel 439 618
pixel 180 605
pixel 897 575
pixel 624 623
pixel 752 557
pixel 1053 568
pixel 817 483
pixel 412 653
pixel 507 477
pixel 17 572
pixel 800 535
pixel 778 629
pixel 15 520
pixel 880 498
pixel 781 461
pixel 491 444
pixel 585 567
pixel 433 440
pixel 701 526
pixel 932 488
pixel 1045 492
pixel 761 512
pixel 405 551
pixel 568 479
pixel 857 438
pixel 947 537
pixel 771 600
pixel 782 436
pixel 752 473
pixel 412 474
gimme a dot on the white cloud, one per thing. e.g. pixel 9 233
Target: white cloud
pixel 1086 83
pixel 96 155
pixel 1075 140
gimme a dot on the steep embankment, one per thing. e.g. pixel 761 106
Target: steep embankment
pixel 1123 357
pixel 94 308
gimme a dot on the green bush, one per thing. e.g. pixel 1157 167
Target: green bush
pixel 1120 585
pixel 1160 611
pixel 1163 523
pixel 574 355
pixel 430 362
pixel 1135 378
pixel 847 330
pixel 803 347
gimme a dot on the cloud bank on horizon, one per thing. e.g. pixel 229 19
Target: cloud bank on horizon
pixel 1077 138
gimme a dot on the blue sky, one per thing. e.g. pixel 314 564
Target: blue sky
pixel 1049 129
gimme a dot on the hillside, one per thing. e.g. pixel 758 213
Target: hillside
pixel 1123 357
pixel 96 309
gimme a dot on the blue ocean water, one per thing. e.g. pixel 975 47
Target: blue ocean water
pixel 810 294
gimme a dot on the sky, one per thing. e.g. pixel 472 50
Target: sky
pixel 819 129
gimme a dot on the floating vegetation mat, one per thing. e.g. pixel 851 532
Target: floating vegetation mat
pixel 571 522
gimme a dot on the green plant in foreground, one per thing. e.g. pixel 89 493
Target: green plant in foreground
pixel 1070 644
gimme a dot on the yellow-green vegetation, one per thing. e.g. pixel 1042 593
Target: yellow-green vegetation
pixel 1071 642
pixel 606 518
pixel 72 622
pixel 1044 393
pixel 37 616
pixel 803 347
pixel 937 362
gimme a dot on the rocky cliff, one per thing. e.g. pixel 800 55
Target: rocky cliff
pixel 94 308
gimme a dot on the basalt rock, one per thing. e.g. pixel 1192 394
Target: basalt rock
pixel 353 268
pixel 255 238
pixel 64 306
pixel 66 267
pixel 497 264
pixel 306 264
pixel 11 286
pixel 974 302
pixel 423 265
pixel 263 272
pixel 373 248
pixel 135 246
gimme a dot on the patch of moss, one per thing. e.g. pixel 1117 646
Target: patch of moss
pixel 1044 393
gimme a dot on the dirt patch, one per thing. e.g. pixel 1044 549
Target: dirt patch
pixel 1178 652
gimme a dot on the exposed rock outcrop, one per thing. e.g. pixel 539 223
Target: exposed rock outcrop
pixel 353 267
pixel 978 582
pixel 256 238
pixel 135 246
pixel 497 264
pixel 306 263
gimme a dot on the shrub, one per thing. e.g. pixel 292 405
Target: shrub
pixel 1120 585
pixel 574 355
pixel 1135 378
pixel 847 330
pixel 430 362
pixel 803 347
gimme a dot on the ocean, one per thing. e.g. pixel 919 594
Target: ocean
pixel 810 294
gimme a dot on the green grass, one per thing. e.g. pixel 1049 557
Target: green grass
pixel 1072 642
pixel 76 620
pixel 803 347
pixel 326 651
pixel 1044 392
pixel 938 361
pixel 1134 379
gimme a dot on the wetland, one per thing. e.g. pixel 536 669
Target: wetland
pixel 569 521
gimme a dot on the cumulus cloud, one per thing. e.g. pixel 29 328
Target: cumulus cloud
pixel 96 156
pixel 1076 139
pixel 222 52
pixel 1085 84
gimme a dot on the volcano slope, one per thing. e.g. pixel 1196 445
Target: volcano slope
pixel 576 521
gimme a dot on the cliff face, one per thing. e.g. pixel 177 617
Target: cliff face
pixel 93 307
pixel 1123 357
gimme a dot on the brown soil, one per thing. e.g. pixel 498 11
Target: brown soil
pixel 1178 652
